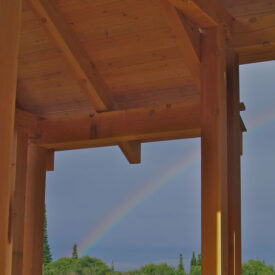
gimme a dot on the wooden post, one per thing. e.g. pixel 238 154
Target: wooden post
pixel 214 154
pixel 10 18
pixel 34 210
pixel 234 163
pixel 19 202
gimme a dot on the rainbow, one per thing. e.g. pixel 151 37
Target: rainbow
pixel 261 120
pixel 126 207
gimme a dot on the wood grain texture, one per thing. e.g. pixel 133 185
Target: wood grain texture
pixel 112 128
pixel 205 14
pixel 132 151
pixel 214 153
pixel 234 164
pixel 34 211
pixel 188 38
pixel 10 19
pixel 79 61
pixel 19 194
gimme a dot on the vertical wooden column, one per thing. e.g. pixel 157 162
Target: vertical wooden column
pixel 214 154
pixel 234 163
pixel 10 17
pixel 34 210
pixel 19 202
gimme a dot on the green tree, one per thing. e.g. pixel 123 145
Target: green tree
pixel 152 269
pixel 256 267
pixel 75 253
pixel 180 270
pixel 47 256
pixel 180 266
pixel 195 270
pixel 199 260
pixel 193 261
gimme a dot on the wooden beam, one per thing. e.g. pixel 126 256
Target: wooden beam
pixel 234 163
pixel 187 36
pixel 112 128
pixel 206 14
pixel 10 19
pixel 50 160
pixel 214 155
pixel 26 122
pixel 19 202
pixel 78 59
pixel 253 38
pixel 132 151
pixel 34 211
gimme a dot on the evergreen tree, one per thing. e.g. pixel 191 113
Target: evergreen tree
pixel 199 260
pixel 180 270
pixel 113 267
pixel 181 267
pixel 75 253
pixel 193 260
pixel 47 257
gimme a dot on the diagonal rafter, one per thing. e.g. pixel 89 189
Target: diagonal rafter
pixel 79 61
pixel 187 37
pixel 206 14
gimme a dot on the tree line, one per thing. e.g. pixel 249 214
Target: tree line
pixel 86 265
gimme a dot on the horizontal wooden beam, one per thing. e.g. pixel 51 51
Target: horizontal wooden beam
pixel 132 151
pixel 27 122
pixel 206 14
pixel 50 160
pixel 188 38
pixel 253 38
pixel 112 128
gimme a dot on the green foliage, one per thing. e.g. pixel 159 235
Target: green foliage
pixel 180 270
pixel 180 267
pixel 93 266
pixel 161 269
pixel 256 267
pixel 47 257
pixel 75 253
pixel 77 266
pixel 193 261
pixel 195 270
pixel 199 260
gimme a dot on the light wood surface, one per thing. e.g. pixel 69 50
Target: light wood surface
pixel 10 19
pixel 19 195
pixel 34 211
pixel 111 128
pixel 214 190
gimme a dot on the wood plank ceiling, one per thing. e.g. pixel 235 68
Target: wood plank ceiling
pixel 133 48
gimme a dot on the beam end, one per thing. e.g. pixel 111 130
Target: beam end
pixel 132 151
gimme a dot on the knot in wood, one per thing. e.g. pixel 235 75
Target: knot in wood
pixel 44 20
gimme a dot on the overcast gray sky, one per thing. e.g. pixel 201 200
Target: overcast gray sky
pixel 89 187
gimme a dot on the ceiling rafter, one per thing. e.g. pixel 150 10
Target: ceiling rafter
pixel 79 61
pixel 187 37
pixel 206 14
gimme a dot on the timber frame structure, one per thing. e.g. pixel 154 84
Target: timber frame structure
pixel 90 73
